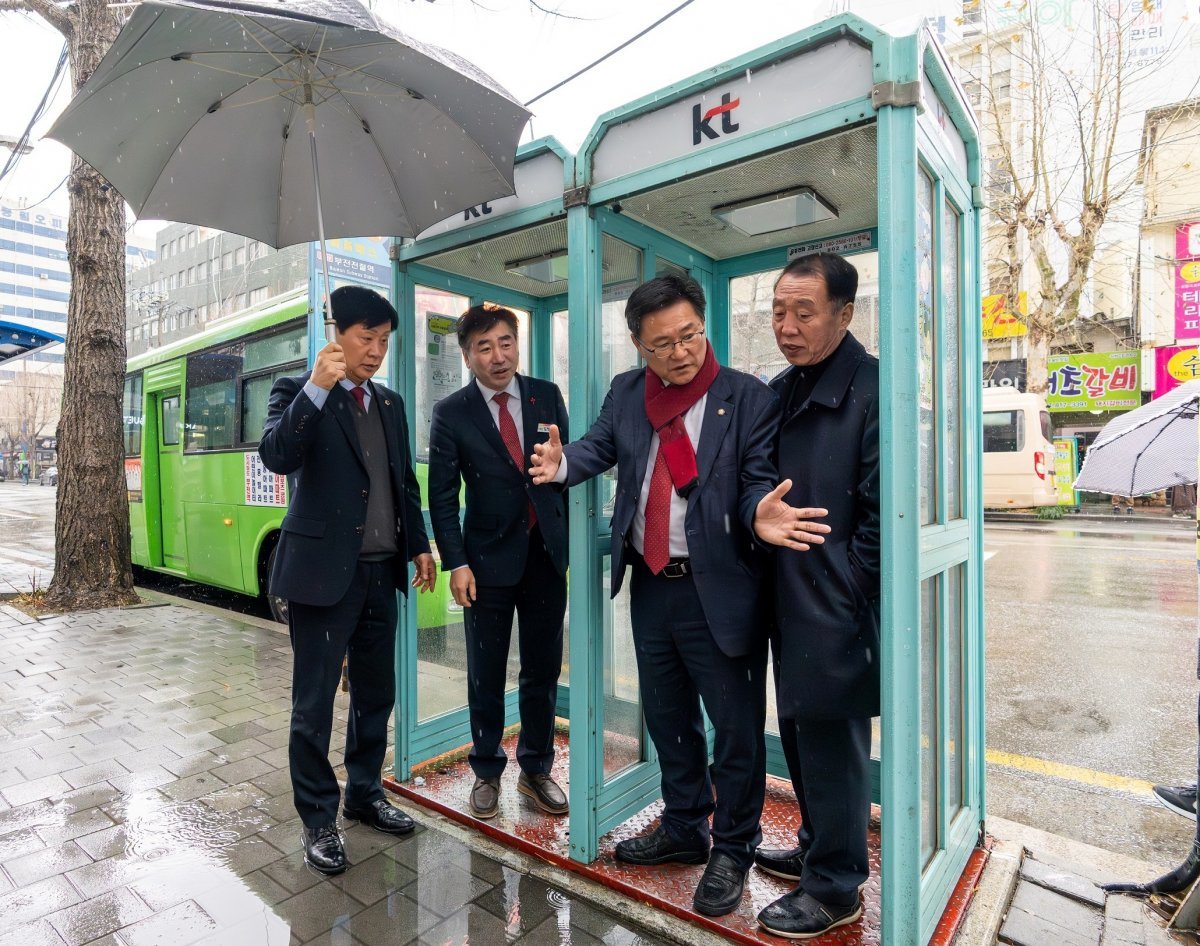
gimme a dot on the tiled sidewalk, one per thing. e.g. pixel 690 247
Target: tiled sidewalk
pixel 145 799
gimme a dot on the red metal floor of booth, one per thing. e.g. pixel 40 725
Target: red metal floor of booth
pixel 443 784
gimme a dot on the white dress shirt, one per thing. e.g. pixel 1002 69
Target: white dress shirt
pixel 514 405
pixel 693 420
pixel 318 395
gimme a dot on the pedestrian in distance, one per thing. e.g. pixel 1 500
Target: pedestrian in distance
pixel 353 524
pixel 826 599
pixel 696 495
pixel 507 556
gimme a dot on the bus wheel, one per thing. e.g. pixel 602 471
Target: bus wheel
pixel 278 606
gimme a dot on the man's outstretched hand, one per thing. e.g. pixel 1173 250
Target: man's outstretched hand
pixel 546 459
pixel 792 527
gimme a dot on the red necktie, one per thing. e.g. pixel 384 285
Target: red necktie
pixel 359 395
pixel 656 543
pixel 508 433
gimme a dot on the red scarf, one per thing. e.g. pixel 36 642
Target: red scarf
pixel 665 406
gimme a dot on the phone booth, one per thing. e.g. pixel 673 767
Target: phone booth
pixel 847 139
pixel 839 138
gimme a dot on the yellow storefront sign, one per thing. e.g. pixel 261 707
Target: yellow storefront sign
pixel 999 321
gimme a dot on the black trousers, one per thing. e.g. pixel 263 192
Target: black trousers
pixel 361 627
pixel 679 664
pixel 829 764
pixel 539 601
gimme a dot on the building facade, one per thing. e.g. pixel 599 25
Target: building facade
pixel 201 275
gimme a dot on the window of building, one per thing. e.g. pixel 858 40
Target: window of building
pixel 227 261
pixel 258 295
pixel 239 256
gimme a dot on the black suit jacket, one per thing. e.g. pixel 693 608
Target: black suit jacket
pixel 319 451
pixel 827 598
pixel 741 418
pixel 465 447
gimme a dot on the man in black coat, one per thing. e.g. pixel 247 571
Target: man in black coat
pixel 508 555
pixel 827 599
pixel 353 523
pixel 692 442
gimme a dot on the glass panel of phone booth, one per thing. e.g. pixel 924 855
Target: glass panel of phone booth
pixel 439 370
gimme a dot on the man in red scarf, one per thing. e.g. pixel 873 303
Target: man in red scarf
pixel 696 490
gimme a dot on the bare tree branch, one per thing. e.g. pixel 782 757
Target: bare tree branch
pixel 57 16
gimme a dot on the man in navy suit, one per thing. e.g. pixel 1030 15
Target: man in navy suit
pixel 353 524
pixel 827 600
pixel 509 554
pixel 695 486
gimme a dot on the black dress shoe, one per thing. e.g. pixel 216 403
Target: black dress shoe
pixel 323 850
pixel 785 862
pixel 800 916
pixel 658 847
pixel 545 793
pixel 720 889
pixel 382 817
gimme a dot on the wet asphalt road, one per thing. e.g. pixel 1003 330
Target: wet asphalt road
pixel 1091 666
pixel 1091 669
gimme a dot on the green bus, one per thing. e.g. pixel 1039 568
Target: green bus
pixel 201 504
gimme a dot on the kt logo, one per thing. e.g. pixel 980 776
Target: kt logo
pixel 475 212
pixel 700 124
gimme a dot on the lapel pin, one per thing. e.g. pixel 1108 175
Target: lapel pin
pixel 387 402
pixel 720 412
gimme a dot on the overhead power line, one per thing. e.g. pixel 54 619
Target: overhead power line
pixel 612 52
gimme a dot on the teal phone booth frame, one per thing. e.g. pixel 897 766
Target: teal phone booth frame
pixel 899 96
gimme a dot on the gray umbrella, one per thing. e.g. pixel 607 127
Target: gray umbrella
pixel 220 113
pixel 1147 449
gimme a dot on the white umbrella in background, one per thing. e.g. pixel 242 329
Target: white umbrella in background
pixel 220 113
pixel 1147 449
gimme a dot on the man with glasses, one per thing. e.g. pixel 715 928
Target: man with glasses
pixel 692 442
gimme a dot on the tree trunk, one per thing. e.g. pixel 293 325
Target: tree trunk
pixel 91 536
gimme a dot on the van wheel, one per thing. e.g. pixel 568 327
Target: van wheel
pixel 278 606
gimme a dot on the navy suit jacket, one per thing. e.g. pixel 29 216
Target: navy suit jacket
pixel 827 599
pixel 319 451
pixel 465 447
pixel 734 458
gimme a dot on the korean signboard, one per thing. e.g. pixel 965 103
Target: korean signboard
pixel 1173 366
pixel 999 319
pixel 1008 374
pixel 1066 468
pixel 1187 280
pixel 1094 381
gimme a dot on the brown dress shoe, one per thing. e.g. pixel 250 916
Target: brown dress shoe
pixel 545 793
pixel 485 798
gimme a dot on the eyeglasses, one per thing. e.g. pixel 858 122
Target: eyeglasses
pixel 664 351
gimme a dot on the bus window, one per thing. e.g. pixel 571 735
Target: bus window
pixel 1004 431
pixel 170 421
pixel 211 395
pixel 133 415
pixel 266 360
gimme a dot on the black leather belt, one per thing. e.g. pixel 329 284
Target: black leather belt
pixel 676 568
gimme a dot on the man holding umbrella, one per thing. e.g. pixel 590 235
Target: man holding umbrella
pixel 353 524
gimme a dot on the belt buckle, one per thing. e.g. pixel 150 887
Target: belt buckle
pixel 675 569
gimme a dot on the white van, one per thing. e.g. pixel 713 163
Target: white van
pixel 1018 451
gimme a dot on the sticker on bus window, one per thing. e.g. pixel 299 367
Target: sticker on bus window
pixel 133 479
pixel 263 488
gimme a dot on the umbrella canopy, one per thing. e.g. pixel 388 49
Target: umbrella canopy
pixel 1147 449
pixel 198 114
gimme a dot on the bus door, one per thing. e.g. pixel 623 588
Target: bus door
pixel 168 408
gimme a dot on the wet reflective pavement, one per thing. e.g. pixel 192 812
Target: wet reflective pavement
pixel 1091 680
pixel 145 799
